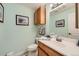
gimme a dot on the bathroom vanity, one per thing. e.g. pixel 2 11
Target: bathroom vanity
pixel 44 50
pixel 52 47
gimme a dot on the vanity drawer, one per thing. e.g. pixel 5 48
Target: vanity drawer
pixel 47 50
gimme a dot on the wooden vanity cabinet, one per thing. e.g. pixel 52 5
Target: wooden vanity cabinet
pixel 41 52
pixel 39 16
pixel 44 50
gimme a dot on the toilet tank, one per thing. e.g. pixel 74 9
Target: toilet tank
pixel 36 40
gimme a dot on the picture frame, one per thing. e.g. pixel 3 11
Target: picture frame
pixel 60 23
pixel 22 20
pixel 77 15
pixel 1 13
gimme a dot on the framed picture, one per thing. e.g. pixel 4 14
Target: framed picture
pixel 77 15
pixel 22 20
pixel 1 13
pixel 60 23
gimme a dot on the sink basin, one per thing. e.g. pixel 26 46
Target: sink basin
pixel 58 44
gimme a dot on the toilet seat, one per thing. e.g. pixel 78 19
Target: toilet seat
pixel 32 50
pixel 32 47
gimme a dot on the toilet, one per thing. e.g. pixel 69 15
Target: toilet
pixel 32 49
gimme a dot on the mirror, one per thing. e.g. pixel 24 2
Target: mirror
pixel 70 15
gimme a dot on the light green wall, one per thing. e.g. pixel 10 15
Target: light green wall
pixel 58 16
pixel 47 19
pixel 14 37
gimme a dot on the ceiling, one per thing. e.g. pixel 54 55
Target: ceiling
pixel 34 5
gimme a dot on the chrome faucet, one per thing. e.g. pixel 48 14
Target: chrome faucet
pixel 58 39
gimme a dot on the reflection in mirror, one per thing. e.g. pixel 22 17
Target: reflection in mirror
pixel 68 14
pixel 77 14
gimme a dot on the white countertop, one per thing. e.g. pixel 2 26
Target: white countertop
pixel 65 47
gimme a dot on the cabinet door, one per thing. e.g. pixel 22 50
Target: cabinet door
pixel 37 16
pixel 45 50
pixel 40 16
pixel 43 14
pixel 41 53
